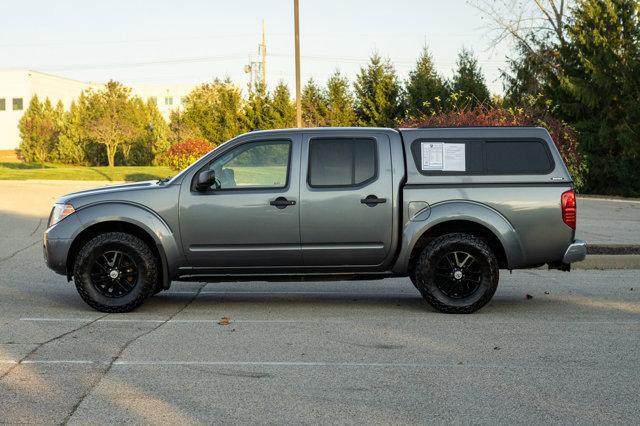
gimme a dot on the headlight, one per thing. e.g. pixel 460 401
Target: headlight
pixel 59 212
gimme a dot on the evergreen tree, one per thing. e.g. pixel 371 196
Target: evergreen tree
pixel 378 94
pixel 600 91
pixel 71 144
pixel 468 80
pixel 39 129
pixel 424 87
pixel 216 111
pixel 282 112
pixel 158 134
pixel 340 104
pixel 181 129
pixel 257 107
pixel 314 105
pixel 530 75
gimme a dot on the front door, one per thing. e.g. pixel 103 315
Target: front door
pixel 250 218
pixel 346 199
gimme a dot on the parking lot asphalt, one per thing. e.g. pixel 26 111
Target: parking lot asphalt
pixel 551 347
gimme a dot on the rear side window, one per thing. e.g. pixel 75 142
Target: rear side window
pixel 484 157
pixel 341 162
pixel 503 157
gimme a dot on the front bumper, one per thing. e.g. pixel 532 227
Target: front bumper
pixel 57 240
pixel 55 253
pixel 576 252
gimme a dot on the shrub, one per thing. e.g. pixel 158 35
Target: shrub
pixel 182 154
pixel 564 136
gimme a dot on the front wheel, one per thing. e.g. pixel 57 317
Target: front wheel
pixel 456 273
pixel 115 272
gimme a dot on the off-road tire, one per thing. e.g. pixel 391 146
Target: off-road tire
pixel 132 246
pixel 424 277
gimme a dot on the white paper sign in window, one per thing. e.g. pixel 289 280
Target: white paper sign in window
pixel 454 157
pixel 432 156
pixel 446 157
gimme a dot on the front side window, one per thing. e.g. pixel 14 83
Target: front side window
pixel 341 162
pixel 256 165
pixel 3 104
pixel 17 104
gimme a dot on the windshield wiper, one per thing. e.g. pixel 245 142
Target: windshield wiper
pixel 165 180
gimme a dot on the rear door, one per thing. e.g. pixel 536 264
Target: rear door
pixel 346 205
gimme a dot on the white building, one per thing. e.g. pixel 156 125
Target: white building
pixel 17 87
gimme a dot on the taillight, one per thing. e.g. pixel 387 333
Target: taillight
pixel 569 210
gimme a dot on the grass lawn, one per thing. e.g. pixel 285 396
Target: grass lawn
pixel 260 176
pixel 22 171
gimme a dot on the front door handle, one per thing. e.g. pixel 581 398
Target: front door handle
pixel 372 200
pixel 281 202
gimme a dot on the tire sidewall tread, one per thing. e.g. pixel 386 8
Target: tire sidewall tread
pixel 425 263
pixel 145 286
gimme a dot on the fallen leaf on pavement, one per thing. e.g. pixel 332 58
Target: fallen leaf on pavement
pixel 224 321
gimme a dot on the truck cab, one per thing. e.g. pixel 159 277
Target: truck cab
pixel 445 207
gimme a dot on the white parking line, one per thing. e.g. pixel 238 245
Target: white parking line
pixel 181 321
pixel 150 363
pixel 403 319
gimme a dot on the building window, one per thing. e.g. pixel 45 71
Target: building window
pixel 17 104
pixel 3 104
pixel 168 100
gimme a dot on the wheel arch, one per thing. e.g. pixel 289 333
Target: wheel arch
pixel 466 217
pixel 131 219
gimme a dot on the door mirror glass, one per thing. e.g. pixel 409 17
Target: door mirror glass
pixel 206 179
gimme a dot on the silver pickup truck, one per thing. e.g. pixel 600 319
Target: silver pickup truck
pixel 446 207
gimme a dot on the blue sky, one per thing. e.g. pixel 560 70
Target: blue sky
pixel 195 40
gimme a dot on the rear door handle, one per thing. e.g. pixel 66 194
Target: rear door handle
pixel 281 202
pixel 372 200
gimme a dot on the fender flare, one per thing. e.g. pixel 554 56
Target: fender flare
pixel 459 210
pixel 167 243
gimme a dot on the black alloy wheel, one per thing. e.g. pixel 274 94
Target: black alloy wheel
pixel 114 274
pixel 458 275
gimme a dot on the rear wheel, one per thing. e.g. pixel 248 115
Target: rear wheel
pixel 456 273
pixel 115 272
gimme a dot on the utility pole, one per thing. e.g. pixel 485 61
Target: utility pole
pixel 296 17
pixel 263 51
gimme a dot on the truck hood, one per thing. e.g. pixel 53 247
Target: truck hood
pixel 111 191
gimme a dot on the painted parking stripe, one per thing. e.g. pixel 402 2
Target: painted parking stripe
pixel 403 319
pixel 159 363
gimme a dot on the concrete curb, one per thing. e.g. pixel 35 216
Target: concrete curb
pixel 613 249
pixel 609 261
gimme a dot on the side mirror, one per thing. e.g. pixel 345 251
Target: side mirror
pixel 206 179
